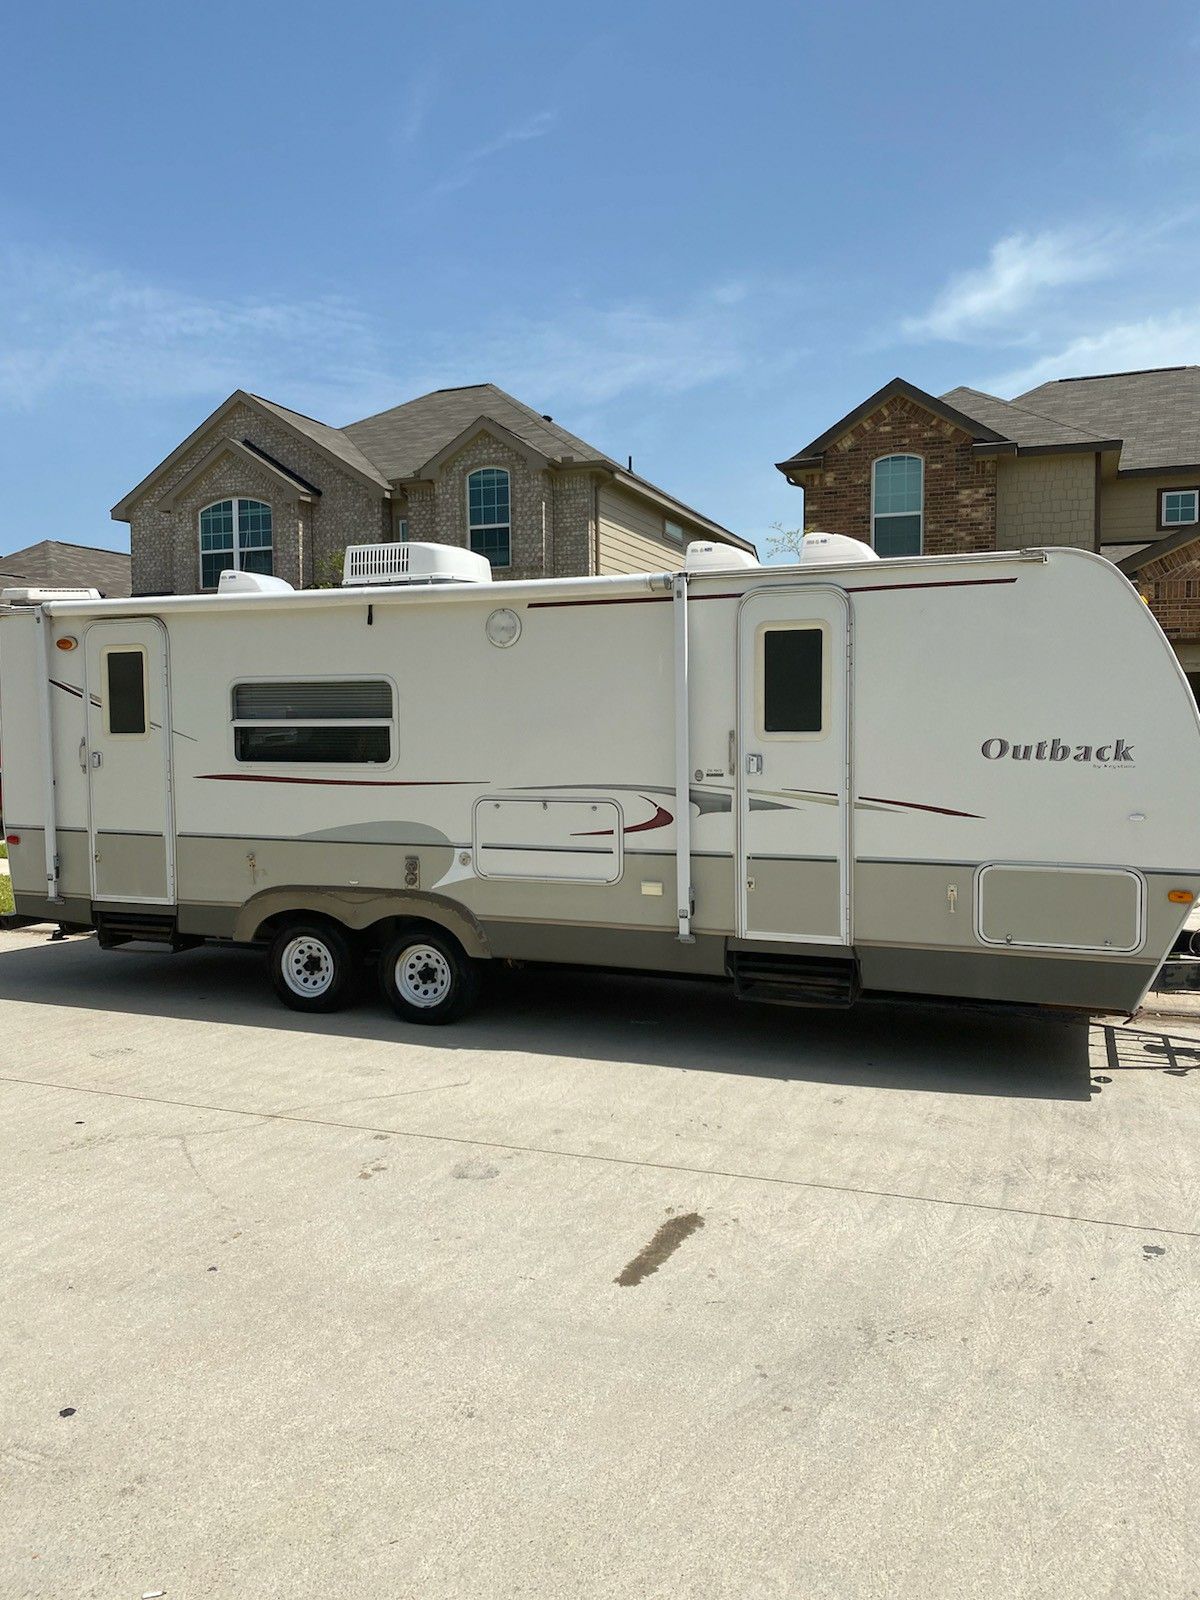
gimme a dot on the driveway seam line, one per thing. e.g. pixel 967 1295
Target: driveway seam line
pixel 612 1161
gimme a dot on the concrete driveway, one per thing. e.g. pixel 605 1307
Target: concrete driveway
pixel 617 1289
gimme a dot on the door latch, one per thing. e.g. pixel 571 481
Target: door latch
pixel 753 763
pixel 97 759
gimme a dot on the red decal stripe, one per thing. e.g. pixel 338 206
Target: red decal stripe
pixel 344 783
pixel 947 583
pixel 629 600
pixel 915 805
pixel 660 819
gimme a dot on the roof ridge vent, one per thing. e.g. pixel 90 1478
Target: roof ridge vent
pixel 413 562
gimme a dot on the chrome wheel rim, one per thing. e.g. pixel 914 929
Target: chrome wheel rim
pixel 423 976
pixel 308 966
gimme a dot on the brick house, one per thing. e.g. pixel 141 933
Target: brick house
pixel 263 488
pixel 1110 464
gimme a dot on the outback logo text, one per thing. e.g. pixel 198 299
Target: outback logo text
pixel 1056 750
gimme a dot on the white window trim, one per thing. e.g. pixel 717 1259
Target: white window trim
pixel 236 553
pixel 1190 522
pixel 760 682
pixel 485 527
pixel 117 650
pixel 392 722
pixel 898 455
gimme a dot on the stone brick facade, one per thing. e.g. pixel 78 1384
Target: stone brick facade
pixel 960 489
pixel 307 537
pixel 320 503
pixel 1171 585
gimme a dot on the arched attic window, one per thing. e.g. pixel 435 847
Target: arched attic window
pixel 489 515
pixel 234 533
pixel 898 505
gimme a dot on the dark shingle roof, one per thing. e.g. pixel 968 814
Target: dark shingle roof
pixel 1025 426
pixel 53 564
pixel 400 441
pixel 336 440
pixel 1156 413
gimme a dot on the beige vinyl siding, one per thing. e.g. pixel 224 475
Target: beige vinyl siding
pixel 1129 506
pixel 631 535
pixel 1046 500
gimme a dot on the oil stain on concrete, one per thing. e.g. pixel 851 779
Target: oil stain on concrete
pixel 665 1242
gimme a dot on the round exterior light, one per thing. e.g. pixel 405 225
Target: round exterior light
pixel 67 642
pixel 503 627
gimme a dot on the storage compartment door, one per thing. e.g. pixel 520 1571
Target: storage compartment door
pixel 1060 908
pixel 569 841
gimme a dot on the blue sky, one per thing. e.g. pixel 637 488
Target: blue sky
pixel 696 234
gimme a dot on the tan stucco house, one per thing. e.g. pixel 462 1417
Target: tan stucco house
pixel 267 489
pixel 1109 463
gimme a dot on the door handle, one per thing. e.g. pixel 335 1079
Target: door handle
pixel 754 763
pixel 97 759
pixel 83 755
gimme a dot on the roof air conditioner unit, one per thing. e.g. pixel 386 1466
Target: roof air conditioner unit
pixel 413 563
pixel 704 555
pixel 834 550
pixel 39 596
pixel 232 582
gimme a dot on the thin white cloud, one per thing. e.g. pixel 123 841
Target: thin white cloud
pixel 70 327
pixel 534 127
pixel 1164 341
pixel 993 300
pixel 417 97
pixel 66 324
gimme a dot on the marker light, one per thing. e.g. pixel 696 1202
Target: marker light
pixel 12 838
pixel 67 642
pixel 1180 897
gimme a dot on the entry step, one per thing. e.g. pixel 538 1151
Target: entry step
pixel 794 980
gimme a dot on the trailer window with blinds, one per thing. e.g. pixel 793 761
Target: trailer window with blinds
pixel 792 695
pixel 338 721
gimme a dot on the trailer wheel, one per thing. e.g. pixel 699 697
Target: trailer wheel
pixel 428 978
pixel 312 966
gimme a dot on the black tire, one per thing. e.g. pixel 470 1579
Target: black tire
pixel 312 966
pixel 427 977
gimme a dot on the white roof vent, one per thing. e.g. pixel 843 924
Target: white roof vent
pixel 41 597
pixel 834 550
pixel 705 555
pixel 251 583
pixel 413 563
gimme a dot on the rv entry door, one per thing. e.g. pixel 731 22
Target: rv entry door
pixel 793 800
pixel 127 753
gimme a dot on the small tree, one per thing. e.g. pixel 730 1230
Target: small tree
pixel 327 572
pixel 786 541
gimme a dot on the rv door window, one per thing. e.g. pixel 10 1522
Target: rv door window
pixel 125 693
pixel 343 721
pixel 791 677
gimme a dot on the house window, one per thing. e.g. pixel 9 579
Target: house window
pixel 897 505
pixel 342 720
pixel 234 534
pixel 402 531
pixel 791 679
pixel 1178 508
pixel 488 515
pixel 673 531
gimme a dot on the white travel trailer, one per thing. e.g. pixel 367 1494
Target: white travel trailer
pixel 971 777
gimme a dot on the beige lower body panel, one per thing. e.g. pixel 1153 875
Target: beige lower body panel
pixel 914 921
pixel 131 866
